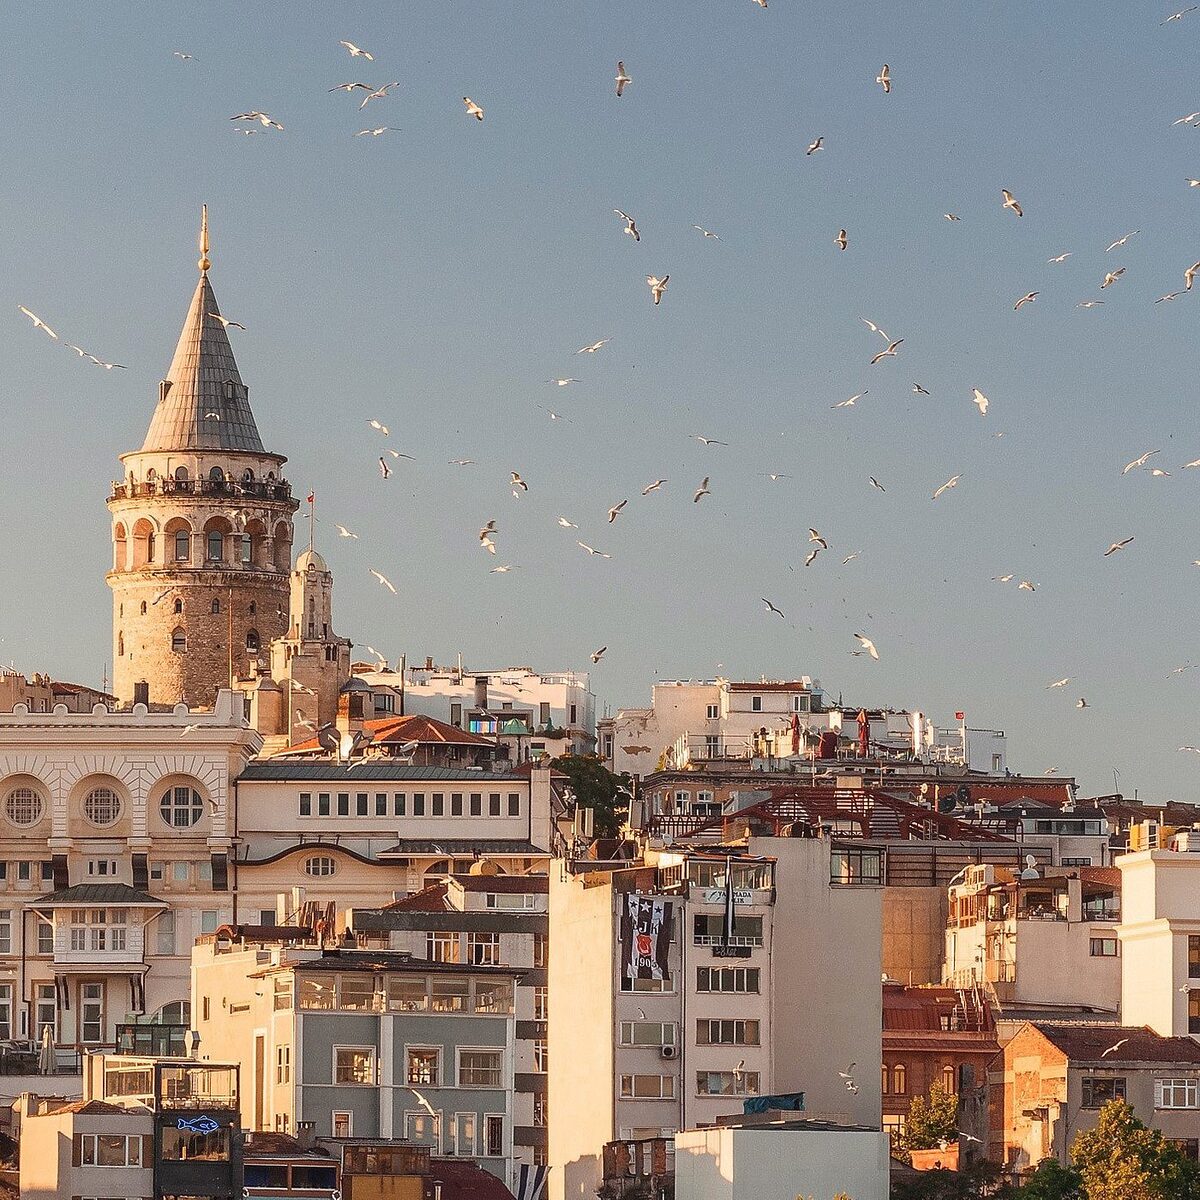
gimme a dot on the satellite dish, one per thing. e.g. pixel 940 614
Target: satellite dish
pixel 1031 871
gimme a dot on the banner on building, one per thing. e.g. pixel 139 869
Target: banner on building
pixel 645 937
pixel 531 1182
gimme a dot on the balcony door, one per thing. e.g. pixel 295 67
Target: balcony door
pixel 91 1013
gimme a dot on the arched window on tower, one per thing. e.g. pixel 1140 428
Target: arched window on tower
pixel 181 474
pixel 216 607
pixel 216 545
pixel 178 606
pixel 253 608
pixel 179 640
pixel 217 475
pixel 245 549
pixel 143 608
pixel 120 644
pixel 183 545
pixel 150 546
pixel 119 547
pixel 252 643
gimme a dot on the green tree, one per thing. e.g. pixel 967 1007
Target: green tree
pixel 1052 1181
pixel 932 1120
pixel 597 788
pixel 983 1181
pixel 1121 1159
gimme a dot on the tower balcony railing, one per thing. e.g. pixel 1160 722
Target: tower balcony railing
pixel 255 489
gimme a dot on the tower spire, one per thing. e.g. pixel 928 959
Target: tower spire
pixel 204 262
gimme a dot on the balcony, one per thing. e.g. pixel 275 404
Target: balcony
pixel 231 488
pixel 152 1041
pixel 24 1058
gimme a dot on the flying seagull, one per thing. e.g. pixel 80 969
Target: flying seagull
pixel 1111 277
pixel 708 233
pixel 384 580
pixel 708 441
pixel 1010 201
pixel 352 87
pixel 599 654
pixel 615 511
pixel 567 524
pixel 817 539
pixel 1140 461
pixel 657 286
pixel 920 390
pixel 379 93
pixel 1058 683
pixel 630 225
pixel 622 78
pixel 344 532
pixel 869 647
pixel 1060 258
pixel 1028 298
pixel 875 483
pixel 653 487
pixel 1178 16
pixel 850 402
pixel 517 482
pixel 1189 275
pixel 357 52
pixel 1117 546
pixel 890 352
pixel 226 323
pixel 1120 241
pixel 38 323
pixel 473 109
pixel 980 401
pixel 952 482
pixel 819 144
pixel 374 424
pixel 702 490
pixel 592 550
pixel 262 118
pixel 841 241
pixel 771 607
pixel 884 79
pixel 384 469
pixel 594 346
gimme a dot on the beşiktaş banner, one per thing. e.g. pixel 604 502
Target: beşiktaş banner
pixel 645 937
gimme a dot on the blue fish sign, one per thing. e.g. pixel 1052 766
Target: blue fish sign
pixel 198 1124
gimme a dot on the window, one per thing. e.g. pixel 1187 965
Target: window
pixel 183 545
pixel 24 870
pixel 949 1079
pixel 6 1010
pixel 727 979
pixel 709 930
pixel 541 1003
pixel 381 804
pixel 209 919
pixel 180 1145
pixel 1098 1092
pixel 343 804
pixel 91 1015
pixel 494 804
pixel 306 804
pixel 354 1064
pixel 648 1087
pixel 23 806
pixel 1193 956
pixel 45 937
pixel 5 930
pixel 418 804
pixel 322 804
pixel 541 1055
pixel 1076 862
pixel 439 804
pixel 541 949
pixel 483 949
pixel 424 1066
pixel 514 804
pixel 1102 947
pixel 362 803
pixel 1176 1093
pixel 714 1032
pixel 447 994
pixel 165 929
pixel 45 1011
pixel 456 714
pixel 181 871
pixel 252 643
pixel 647 1033
pixel 481 1068
pixel 462 1135
pixel 442 947
pixel 102 806
pixel 712 712
pixel 646 985
pixel 216 546
pixel 885 1080
pixel 456 807
pixel 727 1083
pixel 283 1064
pixel 320 866
pixel 476 804
pixel 493 1135
pixel 900 1080
pixel 398 804
pixel 245 549
pixel 855 865
pixel 421 1127
pixel 181 807
pixel 756 704
pixel 1193 1011
pixel 341 1123
pixel 110 1150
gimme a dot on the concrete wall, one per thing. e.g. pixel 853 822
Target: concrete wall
pixel 581 1035
pixel 914 924
pixel 47 1155
pixel 780 1164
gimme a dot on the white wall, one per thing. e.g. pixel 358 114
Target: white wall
pixel 780 1164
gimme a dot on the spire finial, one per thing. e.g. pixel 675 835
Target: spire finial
pixel 204 262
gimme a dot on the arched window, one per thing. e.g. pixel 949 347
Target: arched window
pixel 216 545
pixel 252 641
pixel 247 476
pixel 216 607
pixel 143 608
pixel 886 1080
pixel 181 474
pixel 948 1079
pixel 178 606
pixel 151 476
pixel 150 546
pixel 183 545
pixel 176 1012
pixel 246 549
pixel 217 475
pixel 23 806
pixel 899 1079
pixel 181 807
pixel 120 644
pixel 119 545
pixel 102 806
pixel 179 641
pixel 253 608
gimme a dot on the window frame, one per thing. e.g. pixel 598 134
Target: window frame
pixel 372 1053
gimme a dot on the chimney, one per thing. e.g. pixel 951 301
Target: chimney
pixel 306 1134
pixel 429 662
pixel 481 690
pixel 141 693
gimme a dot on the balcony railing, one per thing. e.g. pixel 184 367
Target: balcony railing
pixel 253 489
pixel 152 1041
pixel 27 1059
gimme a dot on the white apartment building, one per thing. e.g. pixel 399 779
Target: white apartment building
pixel 784 1005
pixel 116 834
pixel 1160 935
pixel 556 709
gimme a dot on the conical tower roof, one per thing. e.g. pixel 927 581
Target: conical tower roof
pixel 205 406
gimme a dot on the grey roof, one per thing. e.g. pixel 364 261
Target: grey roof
pixel 459 847
pixel 99 893
pixel 305 769
pixel 202 368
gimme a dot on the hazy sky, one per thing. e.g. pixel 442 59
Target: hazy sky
pixel 437 276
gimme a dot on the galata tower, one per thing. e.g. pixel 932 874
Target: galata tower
pixel 201 527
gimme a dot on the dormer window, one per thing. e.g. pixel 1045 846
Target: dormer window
pixel 164 386
pixel 228 388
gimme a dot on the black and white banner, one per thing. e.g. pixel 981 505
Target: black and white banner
pixel 645 937
pixel 531 1182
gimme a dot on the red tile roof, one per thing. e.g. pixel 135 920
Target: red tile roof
pixel 1088 1043
pixel 430 899
pixel 415 728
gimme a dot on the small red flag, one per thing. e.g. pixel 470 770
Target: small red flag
pixel 312 497
pixel 959 716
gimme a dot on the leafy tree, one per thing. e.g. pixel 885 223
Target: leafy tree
pixel 1121 1159
pixel 597 788
pixel 981 1182
pixel 932 1120
pixel 1052 1181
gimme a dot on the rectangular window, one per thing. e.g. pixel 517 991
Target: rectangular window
pixel 456 714
pixel 712 712
pixel 514 804
pixel 756 704
pixel 24 872
pixel 1176 1093
pixel 5 930
pixel 1098 1092
pixel 541 1055
pixel 306 804
pixel 110 1150
pixel 322 804
pixel 283 1064
pixel 1102 947
pixel 856 866
pixel 647 1033
pixel 727 1083
pixel 1193 956
pixel 6 1011
pixel 343 804
pixel 493 1135
pixel 439 804
pixel 45 1011
pixel 381 804
pixel 209 920
pixel 442 947
pixel 342 1124
pixel 647 1087
pixel 481 1068
pixel 456 799
pixel 541 949
pixel 424 1066
pixel 181 872
pixel 421 1127
pixel 45 937
pixel 362 804
pixel 645 985
pixel 398 804
pixel 91 1012
pixel 462 1136
pixel 713 1032
pixel 544 712
pixel 541 1003
pixel 477 804
pixel 494 804
pixel 709 930
pixel 448 994
pixel 727 979
pixel 354 1065
pixel 483 949
pixel 418 805
pixel 164 928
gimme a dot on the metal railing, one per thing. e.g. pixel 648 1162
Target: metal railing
pixel 28 1060
pixel 253 489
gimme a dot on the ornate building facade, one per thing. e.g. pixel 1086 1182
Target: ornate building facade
pixel 201 528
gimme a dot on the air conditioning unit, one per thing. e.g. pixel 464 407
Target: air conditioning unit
pixel 667 1051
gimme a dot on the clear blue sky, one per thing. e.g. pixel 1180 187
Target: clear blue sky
pixel 435 278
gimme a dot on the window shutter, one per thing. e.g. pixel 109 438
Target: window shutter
pixel 147 1150
pixel 76 1150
